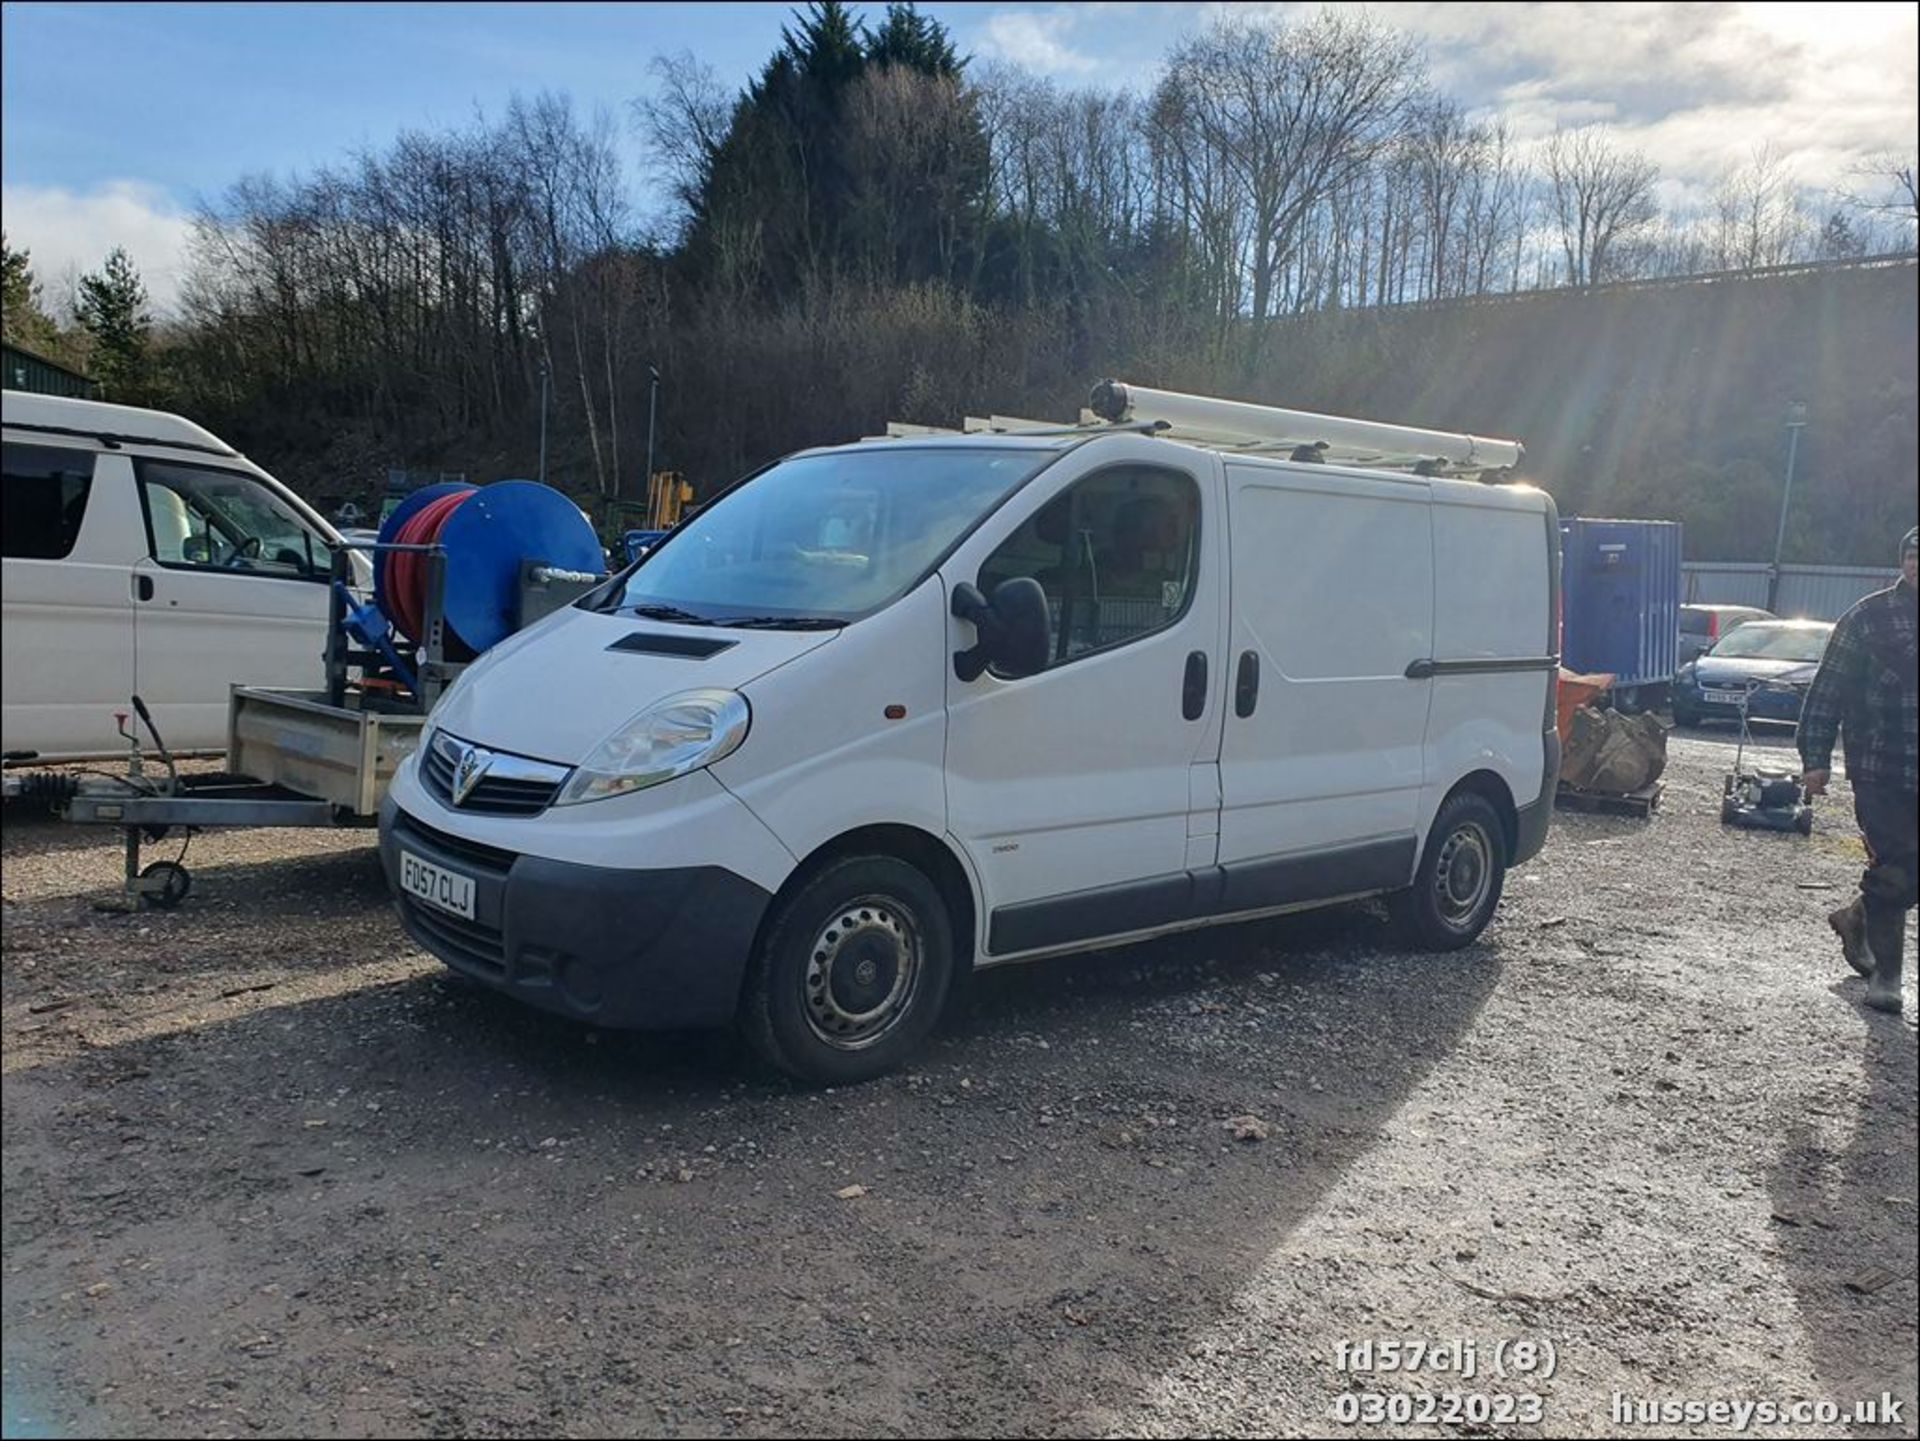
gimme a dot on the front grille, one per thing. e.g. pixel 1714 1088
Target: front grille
pixel 512 786
pixel 461 942
pixel 487 858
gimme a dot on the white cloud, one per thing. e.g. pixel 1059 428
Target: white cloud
pixel 1036 40
pixel 1698 86
pixel 69 232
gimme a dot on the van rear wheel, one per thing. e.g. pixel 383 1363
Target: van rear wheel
pixel 1460 878
pixel 851 973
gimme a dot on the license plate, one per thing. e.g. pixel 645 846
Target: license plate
pixel 1722 697
pixel 436 885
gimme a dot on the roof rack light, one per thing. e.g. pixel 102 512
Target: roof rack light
pixel 1238 424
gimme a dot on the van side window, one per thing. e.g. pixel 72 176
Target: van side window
pixel 45 499
pixel 211 519
pixel 1116 554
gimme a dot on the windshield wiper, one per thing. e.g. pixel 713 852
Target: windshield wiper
pixel 780 622
pixel 669 612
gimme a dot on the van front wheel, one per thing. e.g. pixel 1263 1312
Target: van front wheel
pixel 1460 877
pixel 851 972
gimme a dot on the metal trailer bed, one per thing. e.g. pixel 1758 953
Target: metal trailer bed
pixel 294 757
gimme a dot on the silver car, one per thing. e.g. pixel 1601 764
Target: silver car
pixel 1703 625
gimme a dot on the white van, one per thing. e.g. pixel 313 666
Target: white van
pixel 138 553
pixel 892 709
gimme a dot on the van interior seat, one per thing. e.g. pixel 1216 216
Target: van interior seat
pixel 1146 524
pixel 172 525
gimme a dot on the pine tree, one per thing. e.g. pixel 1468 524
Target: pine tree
pixel 783 193
pixel 909 38
pixel 112 308
pixel 22 317
pixel 826 48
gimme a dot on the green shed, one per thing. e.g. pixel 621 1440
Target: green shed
pixel 25 369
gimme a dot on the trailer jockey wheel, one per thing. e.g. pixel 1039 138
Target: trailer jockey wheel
pixel 165 884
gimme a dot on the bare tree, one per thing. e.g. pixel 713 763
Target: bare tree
pixel 684 121
pixel 1292 114
pixel 1497 201
pixel 1202 195
pixel 1758 216
pixel 1602 198
pixel 1883 187
pixel 913 151
pixel 1446 154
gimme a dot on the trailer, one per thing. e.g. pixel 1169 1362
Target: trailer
pixel 325 758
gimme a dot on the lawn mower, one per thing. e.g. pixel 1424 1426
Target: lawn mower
pixel 1759 799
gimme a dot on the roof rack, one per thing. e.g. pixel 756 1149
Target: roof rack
pixel 1240 427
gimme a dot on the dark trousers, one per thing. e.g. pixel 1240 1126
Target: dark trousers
pixel 1889 817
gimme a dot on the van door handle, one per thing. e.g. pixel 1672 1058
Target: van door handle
pixel 1193 695
pixel 143 587
pixel 1246 685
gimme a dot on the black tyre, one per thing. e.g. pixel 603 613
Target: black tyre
pixel 1682 716
pixel 175 882
pixel 1461 875
pixel 851 973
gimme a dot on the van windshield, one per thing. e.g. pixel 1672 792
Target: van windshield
pixel 823 539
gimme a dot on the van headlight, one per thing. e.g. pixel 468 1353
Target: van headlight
pixel 669 738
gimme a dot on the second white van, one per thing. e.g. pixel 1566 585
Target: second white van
pixel 890 710
pixel 143 554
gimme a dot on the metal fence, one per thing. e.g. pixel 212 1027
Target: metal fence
pixel 1818 592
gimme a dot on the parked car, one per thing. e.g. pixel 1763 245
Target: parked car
pixel 1702 625
pixel 1776 659
pixel 892 710
pixel 142 554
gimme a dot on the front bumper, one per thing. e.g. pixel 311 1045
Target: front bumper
pixel 653 949
pixel 1764 705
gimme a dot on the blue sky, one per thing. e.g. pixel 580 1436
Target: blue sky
pixel 114 118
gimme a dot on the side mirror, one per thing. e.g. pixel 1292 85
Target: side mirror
pixel 1016 633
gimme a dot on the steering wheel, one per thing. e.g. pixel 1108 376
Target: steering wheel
pixel 244 553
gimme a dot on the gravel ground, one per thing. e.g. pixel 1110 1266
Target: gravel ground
pixel 268 1169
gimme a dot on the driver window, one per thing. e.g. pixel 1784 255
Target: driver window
pixel 1116 554
pixel 224 520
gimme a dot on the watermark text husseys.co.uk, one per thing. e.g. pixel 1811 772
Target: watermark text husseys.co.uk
pixel 1886 1409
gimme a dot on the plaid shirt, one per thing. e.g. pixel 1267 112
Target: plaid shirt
pixel 1866 688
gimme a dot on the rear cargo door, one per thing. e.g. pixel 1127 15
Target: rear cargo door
pixel 1322 761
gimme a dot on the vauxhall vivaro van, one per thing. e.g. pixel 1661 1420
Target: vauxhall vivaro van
pixel 894 709
pixel 139 553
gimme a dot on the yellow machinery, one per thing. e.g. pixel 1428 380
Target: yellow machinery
pixel 668 493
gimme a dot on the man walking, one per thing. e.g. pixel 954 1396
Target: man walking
pixel 1865 692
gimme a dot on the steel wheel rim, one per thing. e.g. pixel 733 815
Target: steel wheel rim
pixel 1463 876
pixel 863 973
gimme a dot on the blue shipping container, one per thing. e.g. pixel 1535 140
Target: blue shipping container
pixel 1620 599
